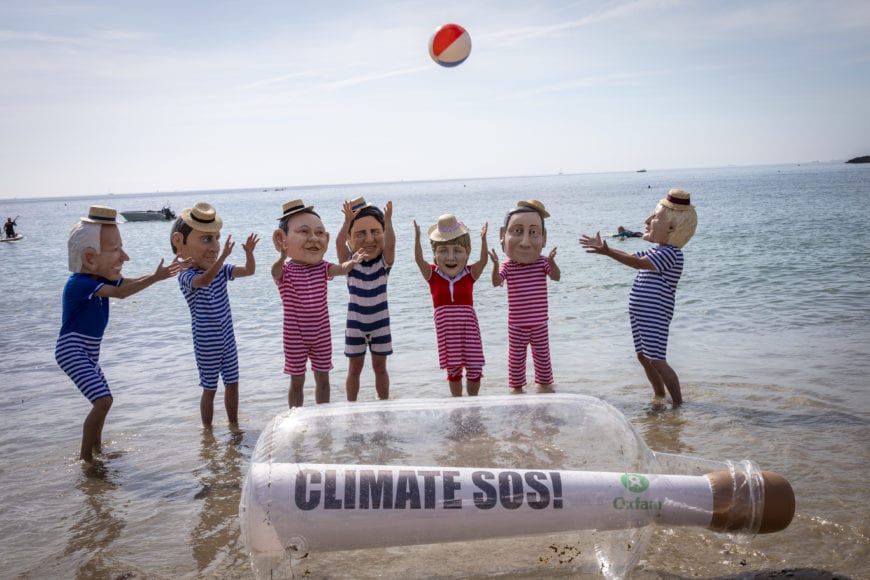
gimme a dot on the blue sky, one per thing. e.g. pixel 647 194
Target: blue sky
pixel 130 96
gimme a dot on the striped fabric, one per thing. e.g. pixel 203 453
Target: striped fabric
pixel 368 315
pixel 527 291
pixel 456 325
pixel 307 334
pixel 211 320
pixel 651 301
pixel 85 317
pixel 519 340
pixel 78 355
pixel 459 343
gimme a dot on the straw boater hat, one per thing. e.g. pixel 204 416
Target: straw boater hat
pixel 535 205
pixel 101 214
pixel 293 207
pixel 358 203
pixel 677 199
pixel 203 217
pixel 447 228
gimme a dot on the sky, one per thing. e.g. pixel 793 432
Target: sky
pixel 125 96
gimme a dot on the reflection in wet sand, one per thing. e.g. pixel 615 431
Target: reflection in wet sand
pixel 216 534
pixel 96 526
pixel 661 428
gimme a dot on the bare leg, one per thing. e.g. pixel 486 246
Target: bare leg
pixel 652 375
pixel 671 380
pixel 206 406
pixel 455 388
pixel 231 402
pixel 92 430
pixel 295 395
pixel 355 366
pixel 472 388
pixel 382 377
pixel 321 387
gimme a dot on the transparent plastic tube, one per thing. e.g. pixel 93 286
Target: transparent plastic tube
pixel 341 479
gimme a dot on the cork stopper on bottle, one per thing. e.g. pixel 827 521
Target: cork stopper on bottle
pixel 732 503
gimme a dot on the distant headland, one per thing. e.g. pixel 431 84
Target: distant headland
pixel 864 159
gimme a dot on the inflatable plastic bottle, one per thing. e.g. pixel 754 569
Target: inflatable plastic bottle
pixel 526 485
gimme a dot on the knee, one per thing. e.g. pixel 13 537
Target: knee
pixel 103 404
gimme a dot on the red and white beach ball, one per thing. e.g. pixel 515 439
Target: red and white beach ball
pixel 450 45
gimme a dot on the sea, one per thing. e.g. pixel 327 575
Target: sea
pixel 770 338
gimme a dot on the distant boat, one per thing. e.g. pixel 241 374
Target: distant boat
pixel 151 215
pixel 641 170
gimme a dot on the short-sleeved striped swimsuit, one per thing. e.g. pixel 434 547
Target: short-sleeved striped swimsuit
pixel 85 317
pixel 651 301
pixel 528 316
pixel 456 325
pixel 211 320
pixel 307 334
pixel 368 315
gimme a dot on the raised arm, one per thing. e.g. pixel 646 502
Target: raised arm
pixel 496 277
pixel 598 246
pixel 555 272
pixel 341 247
pixel 477 267
pixel 422 264
pixel 280 241
pixel 206 278
pixel 130 286
pixel 389 235
pixel 250 262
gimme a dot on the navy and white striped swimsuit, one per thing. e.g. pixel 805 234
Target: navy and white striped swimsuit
pixel 214 342
pixel 651 301
pixel 85 317
pixel 368 315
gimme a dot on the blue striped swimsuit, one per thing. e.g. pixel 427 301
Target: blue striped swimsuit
pixel 368 315
pixel 214 343
pixel 85 317
pixel 651 301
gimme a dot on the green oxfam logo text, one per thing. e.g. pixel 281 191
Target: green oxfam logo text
pixel 634 482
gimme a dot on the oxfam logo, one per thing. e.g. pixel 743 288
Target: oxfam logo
pixel 634 482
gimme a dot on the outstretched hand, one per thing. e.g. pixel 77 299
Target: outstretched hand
pixel 494 257
pixel 594 245
pixel 251 243
pixel 359 256
pixel 229 244
pixel 348 211
pixel 175 266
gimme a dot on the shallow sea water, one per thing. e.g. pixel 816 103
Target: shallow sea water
pixel 770 339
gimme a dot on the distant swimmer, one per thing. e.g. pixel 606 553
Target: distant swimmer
pixel 623 233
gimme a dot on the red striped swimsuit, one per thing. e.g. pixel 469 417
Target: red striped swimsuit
pixel 527 320
pixel 307 333
pixel 459 342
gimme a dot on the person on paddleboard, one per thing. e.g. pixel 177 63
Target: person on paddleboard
pixel 9 226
